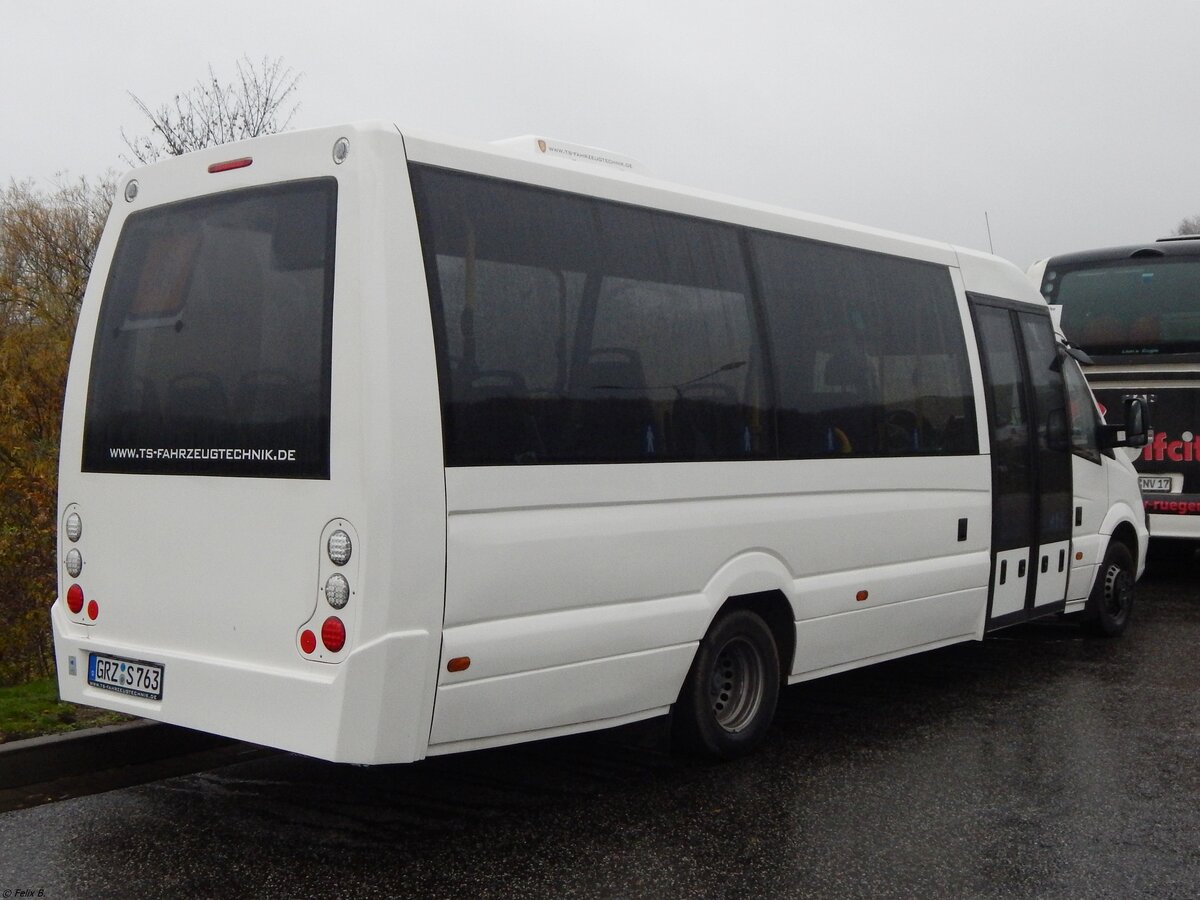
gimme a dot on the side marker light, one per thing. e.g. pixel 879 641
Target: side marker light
pixel 459 664
pixel 861 596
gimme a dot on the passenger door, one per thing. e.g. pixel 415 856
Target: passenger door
pixel 1031 461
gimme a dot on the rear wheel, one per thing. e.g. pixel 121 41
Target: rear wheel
pixel 1111 602
pixel 728 700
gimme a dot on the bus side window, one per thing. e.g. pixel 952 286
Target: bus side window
pixel 675 293
pixel 869 351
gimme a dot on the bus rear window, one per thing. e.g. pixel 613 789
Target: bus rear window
pixel 212 350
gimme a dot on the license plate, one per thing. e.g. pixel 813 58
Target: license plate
pixel 1155 483
pixel 125 676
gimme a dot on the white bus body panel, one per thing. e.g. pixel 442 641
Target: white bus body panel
pixel 606 574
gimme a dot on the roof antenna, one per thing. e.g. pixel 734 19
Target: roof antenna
pixel 991 249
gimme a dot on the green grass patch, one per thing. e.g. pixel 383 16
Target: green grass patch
pixel 33 709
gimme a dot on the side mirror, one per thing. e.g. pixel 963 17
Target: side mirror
pixel 1136 430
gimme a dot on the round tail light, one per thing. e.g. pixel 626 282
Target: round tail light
pixel 333 634
pixel 75 599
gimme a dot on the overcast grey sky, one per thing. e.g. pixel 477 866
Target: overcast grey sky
pixel 1073 123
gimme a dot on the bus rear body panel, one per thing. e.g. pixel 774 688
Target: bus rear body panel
pixel 241 378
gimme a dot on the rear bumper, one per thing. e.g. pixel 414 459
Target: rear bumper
pixel 342 712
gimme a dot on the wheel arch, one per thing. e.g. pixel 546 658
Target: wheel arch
pixel 1121 524
pixel 759 582
pixel 1126 534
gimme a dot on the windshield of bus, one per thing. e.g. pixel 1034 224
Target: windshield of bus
pixel 1129 307
pixel 212 350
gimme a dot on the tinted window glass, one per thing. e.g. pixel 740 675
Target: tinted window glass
pixel 1129 307
pixel 869 352
pixel 212 351
pixel 1012 469
pixel 1084 417
pixel 570 329
pixel 1053 423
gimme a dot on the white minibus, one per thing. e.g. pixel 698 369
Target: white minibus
pixel 379 446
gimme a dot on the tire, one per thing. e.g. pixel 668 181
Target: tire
pixel 728 700
pixel 1110 604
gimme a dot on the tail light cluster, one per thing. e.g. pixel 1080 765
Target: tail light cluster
pixel 79 607
pixel 324 636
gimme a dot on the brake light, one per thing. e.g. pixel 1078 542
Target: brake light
pixel 333 634
pixel 75 599
pixel 230 164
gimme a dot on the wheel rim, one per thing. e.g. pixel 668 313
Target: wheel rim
pixel 737 684
pixel 1118 591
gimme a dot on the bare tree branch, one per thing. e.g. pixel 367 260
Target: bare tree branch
pixel 212 112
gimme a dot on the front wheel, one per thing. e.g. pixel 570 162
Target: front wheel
pixel 728 700
pixel 1111 602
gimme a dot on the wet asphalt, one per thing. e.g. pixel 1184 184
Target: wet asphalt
pixel 1040 763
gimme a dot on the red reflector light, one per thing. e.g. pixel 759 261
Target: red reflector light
pixel 861 596
pixel 308 641
pixel 75 599
pixel 230 164
pixel 333 634
pixel 93 609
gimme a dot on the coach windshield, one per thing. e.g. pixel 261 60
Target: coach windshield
pixel 1129 307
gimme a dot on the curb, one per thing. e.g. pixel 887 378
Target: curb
pixel 43 759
